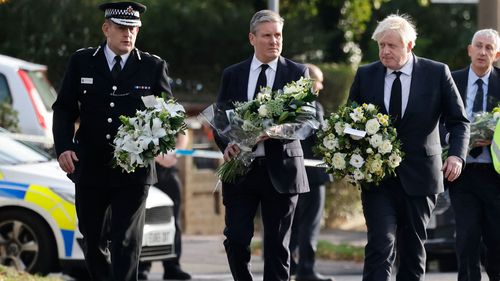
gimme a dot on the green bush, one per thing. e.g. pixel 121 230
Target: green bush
pixel 337 82
pixel 8 117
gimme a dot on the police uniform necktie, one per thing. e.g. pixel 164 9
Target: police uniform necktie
pixel 262 80
pixel 478 107
pixel 115 71
pixel 395 101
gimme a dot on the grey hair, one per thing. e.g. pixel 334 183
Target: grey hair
pixel 488 33
pixel 264 16
pixel 402 24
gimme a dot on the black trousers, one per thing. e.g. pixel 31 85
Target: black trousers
pixel 396 224
pixel 475 198
pixel 305 229
pixel 241 202
pixel 125 205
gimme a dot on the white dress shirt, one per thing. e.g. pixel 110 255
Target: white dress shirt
pixel 405 78
pixel 485 156
pixel 252 81
pixel 110 57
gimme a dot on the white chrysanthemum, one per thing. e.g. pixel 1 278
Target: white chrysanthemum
pixel 385 147
pixel 376 140
pixel 338 161
pixel 264 95
pixel 263 112
pixel 291 89
pixel 356 161
pixel 370 108
pixel 358 175
pixel 357 114
pixel 330 142
pixel 376 166
pixel 339 128
pixel 372 126
pixel 394 160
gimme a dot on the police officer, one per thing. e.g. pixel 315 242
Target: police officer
pixel 101 84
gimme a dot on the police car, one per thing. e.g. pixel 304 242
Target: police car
pixel 38 223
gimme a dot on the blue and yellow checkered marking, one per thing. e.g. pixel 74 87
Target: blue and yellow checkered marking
pixel 62 211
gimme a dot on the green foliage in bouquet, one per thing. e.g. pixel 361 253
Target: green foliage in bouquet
pixel 263 116
pixel 360 159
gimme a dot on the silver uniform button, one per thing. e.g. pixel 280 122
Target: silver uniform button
pixel 110 120
pixel 112 104
pixel 108 136
pixel 114 88
pixel 84 91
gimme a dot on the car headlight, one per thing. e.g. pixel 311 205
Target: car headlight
pixel 68 196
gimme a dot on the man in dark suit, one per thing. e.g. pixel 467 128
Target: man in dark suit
pixel 100 85
pixel 475 196
pixel 416 92
pixel 277 175
pixel 309 212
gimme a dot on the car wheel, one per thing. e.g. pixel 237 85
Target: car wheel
pixel 26 242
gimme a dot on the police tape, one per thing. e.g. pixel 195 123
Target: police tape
pixel 210 154
pixel 196 153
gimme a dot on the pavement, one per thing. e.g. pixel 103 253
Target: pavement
pixel 205 259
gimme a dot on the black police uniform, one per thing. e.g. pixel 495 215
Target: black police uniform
pixel 91 95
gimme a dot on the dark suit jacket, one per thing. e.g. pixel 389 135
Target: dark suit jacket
pixel 433 95
pixel 315 176
pixel 87 93
pixel 285 158
pixel 461 78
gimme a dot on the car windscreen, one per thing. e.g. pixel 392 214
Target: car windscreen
pixel 44 88
pixel 13 152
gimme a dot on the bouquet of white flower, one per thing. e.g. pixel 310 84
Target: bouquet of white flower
pixel 282 114
pixel 359 143
pixel 483 125
pixel 150 132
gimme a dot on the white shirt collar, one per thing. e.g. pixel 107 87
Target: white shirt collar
pixel 110 57
pixel 406 69
pixel 473 77
pixel 256 63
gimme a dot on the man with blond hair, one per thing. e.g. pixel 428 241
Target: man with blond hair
pixel 475 196
pixel 416 92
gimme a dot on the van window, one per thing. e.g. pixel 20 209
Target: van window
pixel 4 90
pixel 44 88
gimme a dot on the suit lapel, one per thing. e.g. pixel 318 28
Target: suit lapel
pixel 379 87
pixel 100 64
pixel 243 73
pixel 493 89
pixel 281 74
pixel 461 82
pixel 417 79
pixel 131 66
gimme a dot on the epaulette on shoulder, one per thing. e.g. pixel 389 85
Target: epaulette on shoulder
pixel 151 55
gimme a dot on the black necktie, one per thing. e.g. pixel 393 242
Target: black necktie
pixel 477 107
pixel 262 80
pixel 115 71
pixel 395 101
pixel 478 100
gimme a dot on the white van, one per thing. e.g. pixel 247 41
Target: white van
pixel 26 87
